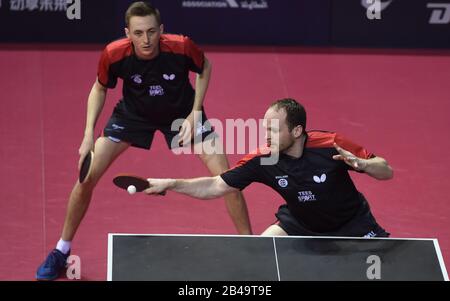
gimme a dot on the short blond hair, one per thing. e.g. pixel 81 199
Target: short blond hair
pixel 141 9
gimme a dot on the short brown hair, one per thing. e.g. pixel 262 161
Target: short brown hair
pixel 141 9
pixel 295 112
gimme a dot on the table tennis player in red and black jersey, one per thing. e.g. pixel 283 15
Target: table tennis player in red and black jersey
pixel 154 68
pixel 309 169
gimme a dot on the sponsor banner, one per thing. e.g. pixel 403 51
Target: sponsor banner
pixel 391 23
pixel 247 22
pixel 93 21
pixel 367 23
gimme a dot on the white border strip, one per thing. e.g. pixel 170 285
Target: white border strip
pixel 259 236
pixel 110 256
pixel 441 260
pixel 276 258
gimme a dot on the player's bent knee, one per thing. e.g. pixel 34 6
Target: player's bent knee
pixel 274 230
pixel 217 164
pixel 88 185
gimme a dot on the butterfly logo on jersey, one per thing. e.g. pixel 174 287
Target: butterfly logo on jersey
pixel 322 178
pixel 169 77
pixel 137 78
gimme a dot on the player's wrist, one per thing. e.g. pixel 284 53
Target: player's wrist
pixel 172 184
pixel 197 106
pixel 88 132
pixel 363 164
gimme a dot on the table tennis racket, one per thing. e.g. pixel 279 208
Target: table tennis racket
pixel 124 181
pixel 86 167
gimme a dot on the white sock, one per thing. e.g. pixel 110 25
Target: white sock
pixel 63 246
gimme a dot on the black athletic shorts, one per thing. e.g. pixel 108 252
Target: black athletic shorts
pixel 362 225
pixel 140 133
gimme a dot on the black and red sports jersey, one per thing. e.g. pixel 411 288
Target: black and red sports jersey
pixel 157 90
pixel 317 189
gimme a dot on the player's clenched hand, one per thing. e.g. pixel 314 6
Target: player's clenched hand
pixel 186 130
pixel 158 186
pixel 349 158
pixel 86 146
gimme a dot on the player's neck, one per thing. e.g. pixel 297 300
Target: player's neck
pixel 151 56
pixel 296 149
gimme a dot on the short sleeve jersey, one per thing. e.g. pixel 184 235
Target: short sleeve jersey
pixel 317 189
pixel 156 90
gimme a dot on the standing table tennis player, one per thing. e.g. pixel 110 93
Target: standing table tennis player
pixel 155 70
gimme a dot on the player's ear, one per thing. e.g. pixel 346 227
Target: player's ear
pixel 127 32
pixel 161 28
pixel 298 131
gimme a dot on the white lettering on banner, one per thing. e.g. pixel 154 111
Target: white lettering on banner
pixel 74 10
pixel 232 3
pixel 383 4
pixel 32 4
pixel 374 8
pixel 250 5
pixel 203 4
pixel 46 6
pixel 254 5
pixel 17 5
pixel 60 5
pixel 440 13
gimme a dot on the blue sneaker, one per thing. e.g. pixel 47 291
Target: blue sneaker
pixel 54 264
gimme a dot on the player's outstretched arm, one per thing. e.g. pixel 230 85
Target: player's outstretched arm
pixel 201 188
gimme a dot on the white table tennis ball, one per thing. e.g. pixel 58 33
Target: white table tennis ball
pixel 131 189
